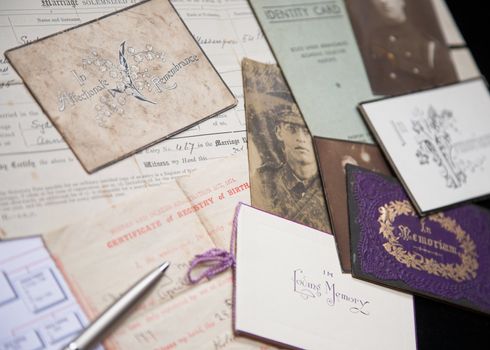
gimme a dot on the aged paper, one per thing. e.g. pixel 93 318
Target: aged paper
pixel 130 239
pixel 220 185
pixel 284 174
pixel 198 319
pixel 315 46
pixel 148 230
pixel 111 90
pixel 24 21
pixel 39 176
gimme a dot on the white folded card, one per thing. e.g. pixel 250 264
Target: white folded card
pixel 289 290
pixel 437 141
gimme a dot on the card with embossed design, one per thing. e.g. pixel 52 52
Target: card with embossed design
pixel 118 84
pixel 437 141
pixel 445 255
pixel 289 290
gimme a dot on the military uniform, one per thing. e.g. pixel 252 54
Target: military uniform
pixel 276 189
pixel 400 59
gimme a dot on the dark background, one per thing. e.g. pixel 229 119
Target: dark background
pixel 473 23
pixel 441 326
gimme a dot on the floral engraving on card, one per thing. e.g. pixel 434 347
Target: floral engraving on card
pixel 131 80
pixel 435 145
pixel 137 74
pixel 130 76
pixel 435 135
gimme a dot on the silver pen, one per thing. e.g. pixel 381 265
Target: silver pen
pixel 95 330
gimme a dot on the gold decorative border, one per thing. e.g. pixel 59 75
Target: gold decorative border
pixel 466 270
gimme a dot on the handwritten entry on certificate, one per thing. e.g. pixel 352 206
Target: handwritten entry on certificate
pixel 173 222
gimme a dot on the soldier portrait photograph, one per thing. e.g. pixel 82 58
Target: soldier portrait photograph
pixel 284 176
pixel 401 44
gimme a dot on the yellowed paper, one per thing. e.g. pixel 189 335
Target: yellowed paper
pixel 42 184
pixel 198 319
pixel 118 84
pixel 221 188
pixel 103 255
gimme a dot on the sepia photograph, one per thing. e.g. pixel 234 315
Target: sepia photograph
pixel 284 176
pixel 333 156
pixel 402 45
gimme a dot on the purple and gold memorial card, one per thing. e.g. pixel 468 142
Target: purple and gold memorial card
pixel 445 255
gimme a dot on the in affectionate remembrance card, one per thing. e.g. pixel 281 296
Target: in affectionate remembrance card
pixel 289 289
pixel 438 142
pixel 445 255
pixel 122 82
pixel 333 155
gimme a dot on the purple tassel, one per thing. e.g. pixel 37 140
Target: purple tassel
pixel 217 260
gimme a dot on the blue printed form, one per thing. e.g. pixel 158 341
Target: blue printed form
pixel 37 309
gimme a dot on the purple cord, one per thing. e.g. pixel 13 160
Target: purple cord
pixel 218 260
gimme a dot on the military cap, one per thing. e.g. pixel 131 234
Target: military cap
pixel 287 113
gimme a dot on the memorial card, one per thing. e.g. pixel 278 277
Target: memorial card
pixel 445 255
pixel 123 82
pixel 290 290
pixel 333 156
pixel 438 142
pixel 284 175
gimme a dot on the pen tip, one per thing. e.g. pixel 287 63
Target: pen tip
pixel 164 266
